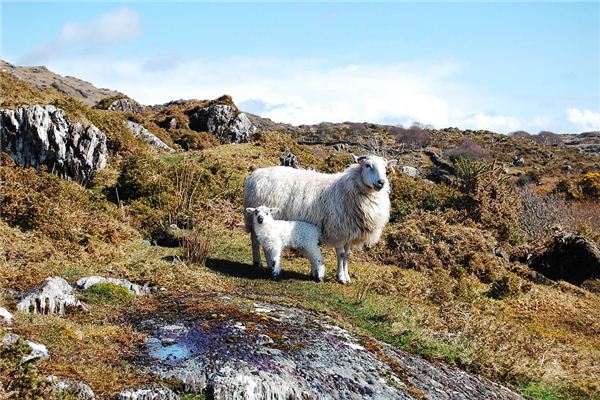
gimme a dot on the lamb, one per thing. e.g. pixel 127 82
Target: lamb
pixel 276 236
pixel 351 208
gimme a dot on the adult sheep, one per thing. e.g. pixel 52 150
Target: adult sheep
pixel 351 208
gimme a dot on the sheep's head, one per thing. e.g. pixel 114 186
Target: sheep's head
pixel 262 213
pixel 373 170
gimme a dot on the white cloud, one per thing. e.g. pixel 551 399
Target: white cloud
pixel 301 91
pixel 585 119
pixel 100 33
pixel 491 122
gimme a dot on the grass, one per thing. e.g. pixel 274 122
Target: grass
pixel 432 286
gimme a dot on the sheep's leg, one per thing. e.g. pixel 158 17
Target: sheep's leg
pixel 316 262
pixel 276 263
pixel 346 256
pixel 269 259
pixel 256 259
pixel 341 276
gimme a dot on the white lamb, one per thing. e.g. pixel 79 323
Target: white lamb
pixel 276 236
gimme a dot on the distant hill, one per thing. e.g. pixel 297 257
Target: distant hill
pixel 42 78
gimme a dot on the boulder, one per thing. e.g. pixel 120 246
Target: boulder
pixel 151 139
pixel 568 257
pixel 38 351
pixel 138 290
pixel 410 171
pixel 236 349
pixel 64 388
pixel 153 391
pixel 127 105
pixel 226 122
pixel 53 296
pixel 518 161
pixel 42 135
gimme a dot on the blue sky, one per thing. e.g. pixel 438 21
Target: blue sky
pixel 499 66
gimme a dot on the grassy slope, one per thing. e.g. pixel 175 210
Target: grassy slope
pixel 544 340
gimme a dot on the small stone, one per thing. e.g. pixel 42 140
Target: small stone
pixel 65 388
pixel 5 316
pixel 38 351
pixel 410 171
pixel 138 290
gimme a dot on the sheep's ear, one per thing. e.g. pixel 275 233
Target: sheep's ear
pixel 354 158
pixel 392 163
pixel 274 210
pixel 250 210
pixel 358 159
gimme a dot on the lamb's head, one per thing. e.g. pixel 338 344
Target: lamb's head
pixel 373 170
pixel 262 214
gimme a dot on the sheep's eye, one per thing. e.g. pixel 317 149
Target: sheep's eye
pixel 368 166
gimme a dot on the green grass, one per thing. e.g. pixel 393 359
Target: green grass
pixel 108 293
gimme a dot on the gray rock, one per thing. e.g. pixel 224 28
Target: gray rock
pixel 228 124
pixel 127 105
pixel 138 290
pixel 64 388
pixel 151 139
pixel 410 171
pixel 53 296
pixel 518 161
pixel 38 351
pixel 290 354
pixel 42 135
pixel 151 392
pixel 5 316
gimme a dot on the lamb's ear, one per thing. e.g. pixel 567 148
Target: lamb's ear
pixel 354 159
pixel 392 163
pixel 357 160
pixel 274 210
pixel 250 210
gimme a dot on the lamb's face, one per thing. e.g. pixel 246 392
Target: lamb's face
pixel 261 214
pixel 373 171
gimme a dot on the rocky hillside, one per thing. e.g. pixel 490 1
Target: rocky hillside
pixel 42 78
pixel 125 270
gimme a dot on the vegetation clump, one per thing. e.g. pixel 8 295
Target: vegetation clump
pixel 108 293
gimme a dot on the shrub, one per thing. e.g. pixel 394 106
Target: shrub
pixel 59 209
pixel 195 246
pixel 470 150
pixel 430 240
pixel 488 198
pixel 505 286
pixel 413 137
pixel 106 292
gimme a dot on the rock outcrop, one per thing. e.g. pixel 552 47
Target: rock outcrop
pixel 65 388
pixel 568 257
pixel 226 122
pixel 262 351
pixel 42 135
pixel 53 296
pixel 151 139
pixel 410 171
pixel 138 290
pixel 36 351
pixel 5 316
pixel 151 392
pixel 126 105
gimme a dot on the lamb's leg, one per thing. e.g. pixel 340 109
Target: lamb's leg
pixel 276 260
pixel 256 260
pixel 341 276
pixel 346 256
pixel 313 253
pixel 269 259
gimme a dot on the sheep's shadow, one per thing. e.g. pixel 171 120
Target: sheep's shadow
pixel 247 271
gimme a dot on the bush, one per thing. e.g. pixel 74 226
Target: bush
pixel 470 150
pixel 106 292
pixel 59 209
pixel 432 240
pixel 195 246
pixel 488 198
pixel 414 137
pixel 506 286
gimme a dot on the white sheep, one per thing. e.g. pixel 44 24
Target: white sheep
pixel 351 208
pixel 276 236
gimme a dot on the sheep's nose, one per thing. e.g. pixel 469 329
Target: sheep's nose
pixel 259 220
pixel 379 184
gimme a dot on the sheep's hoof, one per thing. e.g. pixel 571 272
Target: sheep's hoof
pixel 275 277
